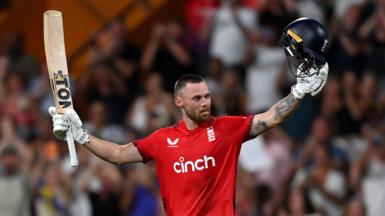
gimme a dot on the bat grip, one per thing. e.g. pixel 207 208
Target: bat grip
pixel 71 148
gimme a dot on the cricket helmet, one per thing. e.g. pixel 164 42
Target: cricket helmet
pixel 306 40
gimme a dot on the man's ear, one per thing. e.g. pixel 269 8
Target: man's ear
pixel 178 101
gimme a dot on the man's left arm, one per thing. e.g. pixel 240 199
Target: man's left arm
pixel 280 111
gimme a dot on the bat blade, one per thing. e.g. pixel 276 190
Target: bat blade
pixel 58 71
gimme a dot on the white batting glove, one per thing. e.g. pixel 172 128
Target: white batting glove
pixel 60 125
pixel 68 121
pixel 311 84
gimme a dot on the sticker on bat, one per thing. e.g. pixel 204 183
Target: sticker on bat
pixel 63 91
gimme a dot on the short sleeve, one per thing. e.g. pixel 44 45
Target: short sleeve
pixel 239 126
pixel 146 146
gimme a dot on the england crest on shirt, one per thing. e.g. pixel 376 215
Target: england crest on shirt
pixel 210 134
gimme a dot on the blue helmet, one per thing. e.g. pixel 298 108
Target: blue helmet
pixel 307 40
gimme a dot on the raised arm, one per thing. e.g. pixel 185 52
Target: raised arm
pixel 108 151
pixel 152 47
pixel 280 111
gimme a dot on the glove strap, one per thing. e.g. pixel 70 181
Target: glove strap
pixel 296 93
pixel 84 137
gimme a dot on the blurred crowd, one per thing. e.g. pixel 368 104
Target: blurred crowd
pixel 327 159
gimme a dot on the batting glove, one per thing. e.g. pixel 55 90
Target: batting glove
pixel 312 84
pixel 68 121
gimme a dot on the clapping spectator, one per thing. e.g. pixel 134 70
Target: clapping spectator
pixel 102 82
pixel 326 185
pixel 359 101
pixel 322 135
pixel 17 106
pixel 167 53
pixel 232 29
pixel 345 53
pixel 233 97
pixel 368 172
pixel 153 109
pixel 198 15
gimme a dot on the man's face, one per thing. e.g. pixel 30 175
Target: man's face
pixel 195 100
pixel 10 163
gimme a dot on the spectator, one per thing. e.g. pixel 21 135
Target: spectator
pixel 198 15
pixel 245 193
pixel 355 208
pixel 359 97
pixel 372 31
pixel 368 173
pixel 346 52
pixel 278 13
pixel 141 199
pixel 321 135
pixel 101 82
pixel 152 110
pixel 167 53
pixel 16 60
pixel 233 97
pixel 15 193
pixel 9 135
pixel 299 203
pixel 40 93
pixel 331 100
pixel 273 166
pixel 99 123
pixel 213 78
pixel 267 64
pixel 17 106
pixel 112 43
pixel 326 185
pixel 80 203
pixel 102 182
pixel 232 28
pixel 53 190
pixel 127 65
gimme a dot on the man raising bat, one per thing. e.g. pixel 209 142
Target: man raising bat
pixel 58 72
pixel 196 159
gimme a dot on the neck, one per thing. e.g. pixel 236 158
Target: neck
pixel 190 124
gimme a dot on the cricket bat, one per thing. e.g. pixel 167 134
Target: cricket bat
pixel 58 71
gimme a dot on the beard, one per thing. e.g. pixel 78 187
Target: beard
pixel 198 117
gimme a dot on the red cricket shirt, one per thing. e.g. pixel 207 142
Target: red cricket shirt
pixel 197 168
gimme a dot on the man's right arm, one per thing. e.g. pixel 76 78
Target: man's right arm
pixel 112 152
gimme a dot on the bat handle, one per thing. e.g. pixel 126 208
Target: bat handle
pixel 71 148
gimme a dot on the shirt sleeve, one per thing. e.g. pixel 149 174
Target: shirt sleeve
pixel 240 125
pixel 146 146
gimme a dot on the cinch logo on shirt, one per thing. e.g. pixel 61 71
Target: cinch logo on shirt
pixel 192 166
